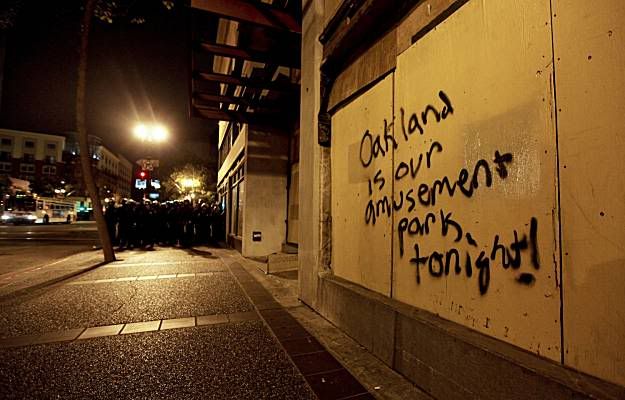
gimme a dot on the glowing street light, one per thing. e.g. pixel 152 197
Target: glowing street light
pixel 150 133
pixel 159 133
pixel 190 183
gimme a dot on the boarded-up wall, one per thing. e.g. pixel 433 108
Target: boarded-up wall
pixel 362 256
pixel 479 245
pixel 471 172
pixel 590 69
pixel 465 177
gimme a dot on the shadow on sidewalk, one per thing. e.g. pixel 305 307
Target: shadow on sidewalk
pixel 40 287
pixel 198 252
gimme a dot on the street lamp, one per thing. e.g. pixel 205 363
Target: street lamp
pixel 188 186
pixel 190 183
pixel 150 135
pixel 150 132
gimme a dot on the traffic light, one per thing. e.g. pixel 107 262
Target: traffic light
pixel 143 174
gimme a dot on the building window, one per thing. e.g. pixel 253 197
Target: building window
pixel 29 158
pixel 240 208
pixel 6 142
pixel 232 201
pixel 27 168
pixel 5 167
pixel 5 156
pixel 29 144
pixel 51 146
pixel 48 170
pixel 237 200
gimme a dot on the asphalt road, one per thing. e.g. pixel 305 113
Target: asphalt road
pixel 27 246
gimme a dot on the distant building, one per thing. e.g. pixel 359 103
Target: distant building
pixel 114 174
pixel 50 162
pixel 112 171
pixel 35 157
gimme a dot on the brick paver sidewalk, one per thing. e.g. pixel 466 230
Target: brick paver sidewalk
pixel 168 323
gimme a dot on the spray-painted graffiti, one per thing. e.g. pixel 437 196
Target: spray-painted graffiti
pixel 440 263
pixel 418 197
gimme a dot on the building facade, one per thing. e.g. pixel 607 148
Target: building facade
pixel 253 186
pixel 460 189
pixel 247 77
pixel 460 210
pixel 50 162
pixel 113 173
pixel 35 157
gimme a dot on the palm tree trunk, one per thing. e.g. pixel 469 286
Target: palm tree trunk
pixel 83 139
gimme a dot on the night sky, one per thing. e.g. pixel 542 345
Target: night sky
pixel 136 72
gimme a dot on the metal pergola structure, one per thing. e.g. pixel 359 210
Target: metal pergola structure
pixel 269 39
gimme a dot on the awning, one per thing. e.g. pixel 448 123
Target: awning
pixel 245 61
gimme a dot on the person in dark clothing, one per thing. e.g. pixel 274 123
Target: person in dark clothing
pixel 202 223
pixel 185 217
pixel 124 224
pixel 110 216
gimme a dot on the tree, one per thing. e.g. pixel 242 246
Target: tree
pixel 104 10
pixel 8 13
pixel 8 16
pixel 191 180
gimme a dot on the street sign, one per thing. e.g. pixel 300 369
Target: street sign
pixel 141 183
pixel 148 163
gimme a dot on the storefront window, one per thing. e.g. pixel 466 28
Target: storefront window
pixel 241 196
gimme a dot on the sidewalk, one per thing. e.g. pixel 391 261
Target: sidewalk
pixel 173 323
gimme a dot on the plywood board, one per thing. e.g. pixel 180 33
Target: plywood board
pixel 589 44
pixel 378 60
pixel 475 239
pixel 361 241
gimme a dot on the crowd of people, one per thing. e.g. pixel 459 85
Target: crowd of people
pixel 147 224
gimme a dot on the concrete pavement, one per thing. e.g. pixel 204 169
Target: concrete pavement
pixel 173 323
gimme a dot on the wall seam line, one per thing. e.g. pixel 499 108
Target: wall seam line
pixel 395 322
pixel 558 183
pixel 392 186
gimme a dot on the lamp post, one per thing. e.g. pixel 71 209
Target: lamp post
pixel 150 135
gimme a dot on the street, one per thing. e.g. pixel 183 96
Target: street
pixel 32 246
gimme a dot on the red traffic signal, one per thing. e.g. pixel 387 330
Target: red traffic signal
pixel 143 174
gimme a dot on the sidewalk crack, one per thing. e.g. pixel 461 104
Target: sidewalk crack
pixel 124 303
